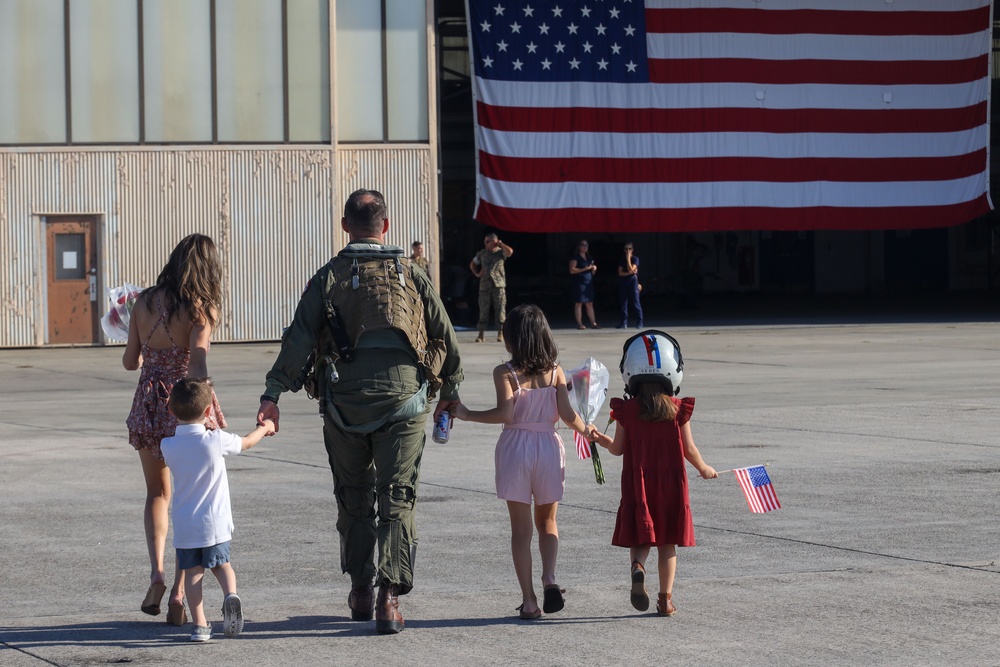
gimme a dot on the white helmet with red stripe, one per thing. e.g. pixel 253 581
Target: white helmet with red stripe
pixel 652 356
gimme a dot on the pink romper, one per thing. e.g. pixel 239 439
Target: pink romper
pixel 530 459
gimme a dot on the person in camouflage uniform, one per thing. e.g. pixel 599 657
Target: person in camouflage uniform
pixel 418 257
pixel 382 344
pixel 488 266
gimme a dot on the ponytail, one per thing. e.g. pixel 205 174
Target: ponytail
pixel 655 405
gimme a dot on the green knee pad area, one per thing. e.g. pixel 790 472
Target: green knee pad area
pixel 357 502
pixel 396 502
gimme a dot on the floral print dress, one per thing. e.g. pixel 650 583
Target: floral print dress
pixel 150 421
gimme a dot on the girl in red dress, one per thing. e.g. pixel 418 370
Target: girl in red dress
pixel 653 433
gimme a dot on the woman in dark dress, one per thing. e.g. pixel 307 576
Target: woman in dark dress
pixel 581 271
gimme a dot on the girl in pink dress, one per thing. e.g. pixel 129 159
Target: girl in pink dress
pixel 169 333
pixel 653 432
pixel 530 459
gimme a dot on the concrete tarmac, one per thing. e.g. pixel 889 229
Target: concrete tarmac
pixel 882 445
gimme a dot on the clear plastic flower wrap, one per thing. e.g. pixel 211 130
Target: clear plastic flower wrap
pixel 588 387
pixel 115 321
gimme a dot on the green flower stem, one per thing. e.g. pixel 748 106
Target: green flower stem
pixel 598 468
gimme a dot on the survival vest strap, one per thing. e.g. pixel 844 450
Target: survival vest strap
pixel 370 287
pixel 335 325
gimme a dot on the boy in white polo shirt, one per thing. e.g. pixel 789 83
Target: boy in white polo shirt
pixel 203 518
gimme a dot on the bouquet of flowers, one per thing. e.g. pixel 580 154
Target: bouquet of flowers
pixel 115 321
pixel 588 387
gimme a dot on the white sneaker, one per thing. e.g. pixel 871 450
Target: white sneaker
pixel 232 615
pixel 202 633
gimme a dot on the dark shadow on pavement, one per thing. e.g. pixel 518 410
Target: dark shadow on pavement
pixel 137 634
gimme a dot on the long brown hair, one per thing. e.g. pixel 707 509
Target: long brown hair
pixel 191 281
pixel 533 350
pixel 655 405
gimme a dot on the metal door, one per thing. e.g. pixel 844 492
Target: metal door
pixel 72 280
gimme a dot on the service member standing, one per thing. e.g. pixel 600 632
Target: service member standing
pixel 384 345
pixel 629 287
pixel 488 266
pixel 418 257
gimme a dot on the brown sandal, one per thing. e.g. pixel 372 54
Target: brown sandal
pixel 528 615
pixel 151 603
pixel 665 604
pixel 553 600
pixel 176 614
pixel 639 596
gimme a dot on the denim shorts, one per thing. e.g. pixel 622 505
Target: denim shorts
pixel 206 557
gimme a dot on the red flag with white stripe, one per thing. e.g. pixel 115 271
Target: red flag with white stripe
pixel 698 115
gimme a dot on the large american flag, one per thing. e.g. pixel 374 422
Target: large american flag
pixel 695 115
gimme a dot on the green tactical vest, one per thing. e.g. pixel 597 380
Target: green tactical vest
pixel 369 288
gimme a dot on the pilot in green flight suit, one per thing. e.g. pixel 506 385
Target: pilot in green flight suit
pixel 383 344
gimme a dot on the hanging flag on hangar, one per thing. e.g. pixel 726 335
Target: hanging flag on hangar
pixel 704 115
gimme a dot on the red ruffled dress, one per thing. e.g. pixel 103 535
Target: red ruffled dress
pixel 655 508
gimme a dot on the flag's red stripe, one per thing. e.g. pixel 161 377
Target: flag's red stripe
pixel 761 493
pixel 729 218
pixel 816 21
pixel 762 499
pixel 769 497
pixel 753 502
pixel 846 72
pixel 854 121
pixel 688 170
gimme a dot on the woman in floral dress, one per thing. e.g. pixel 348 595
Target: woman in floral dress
pixel 169 333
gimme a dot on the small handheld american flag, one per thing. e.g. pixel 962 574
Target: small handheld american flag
pixel 758 489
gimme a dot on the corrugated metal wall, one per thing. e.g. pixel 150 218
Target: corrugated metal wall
pixel 405 176
pixel 274 213
pixel 21 271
